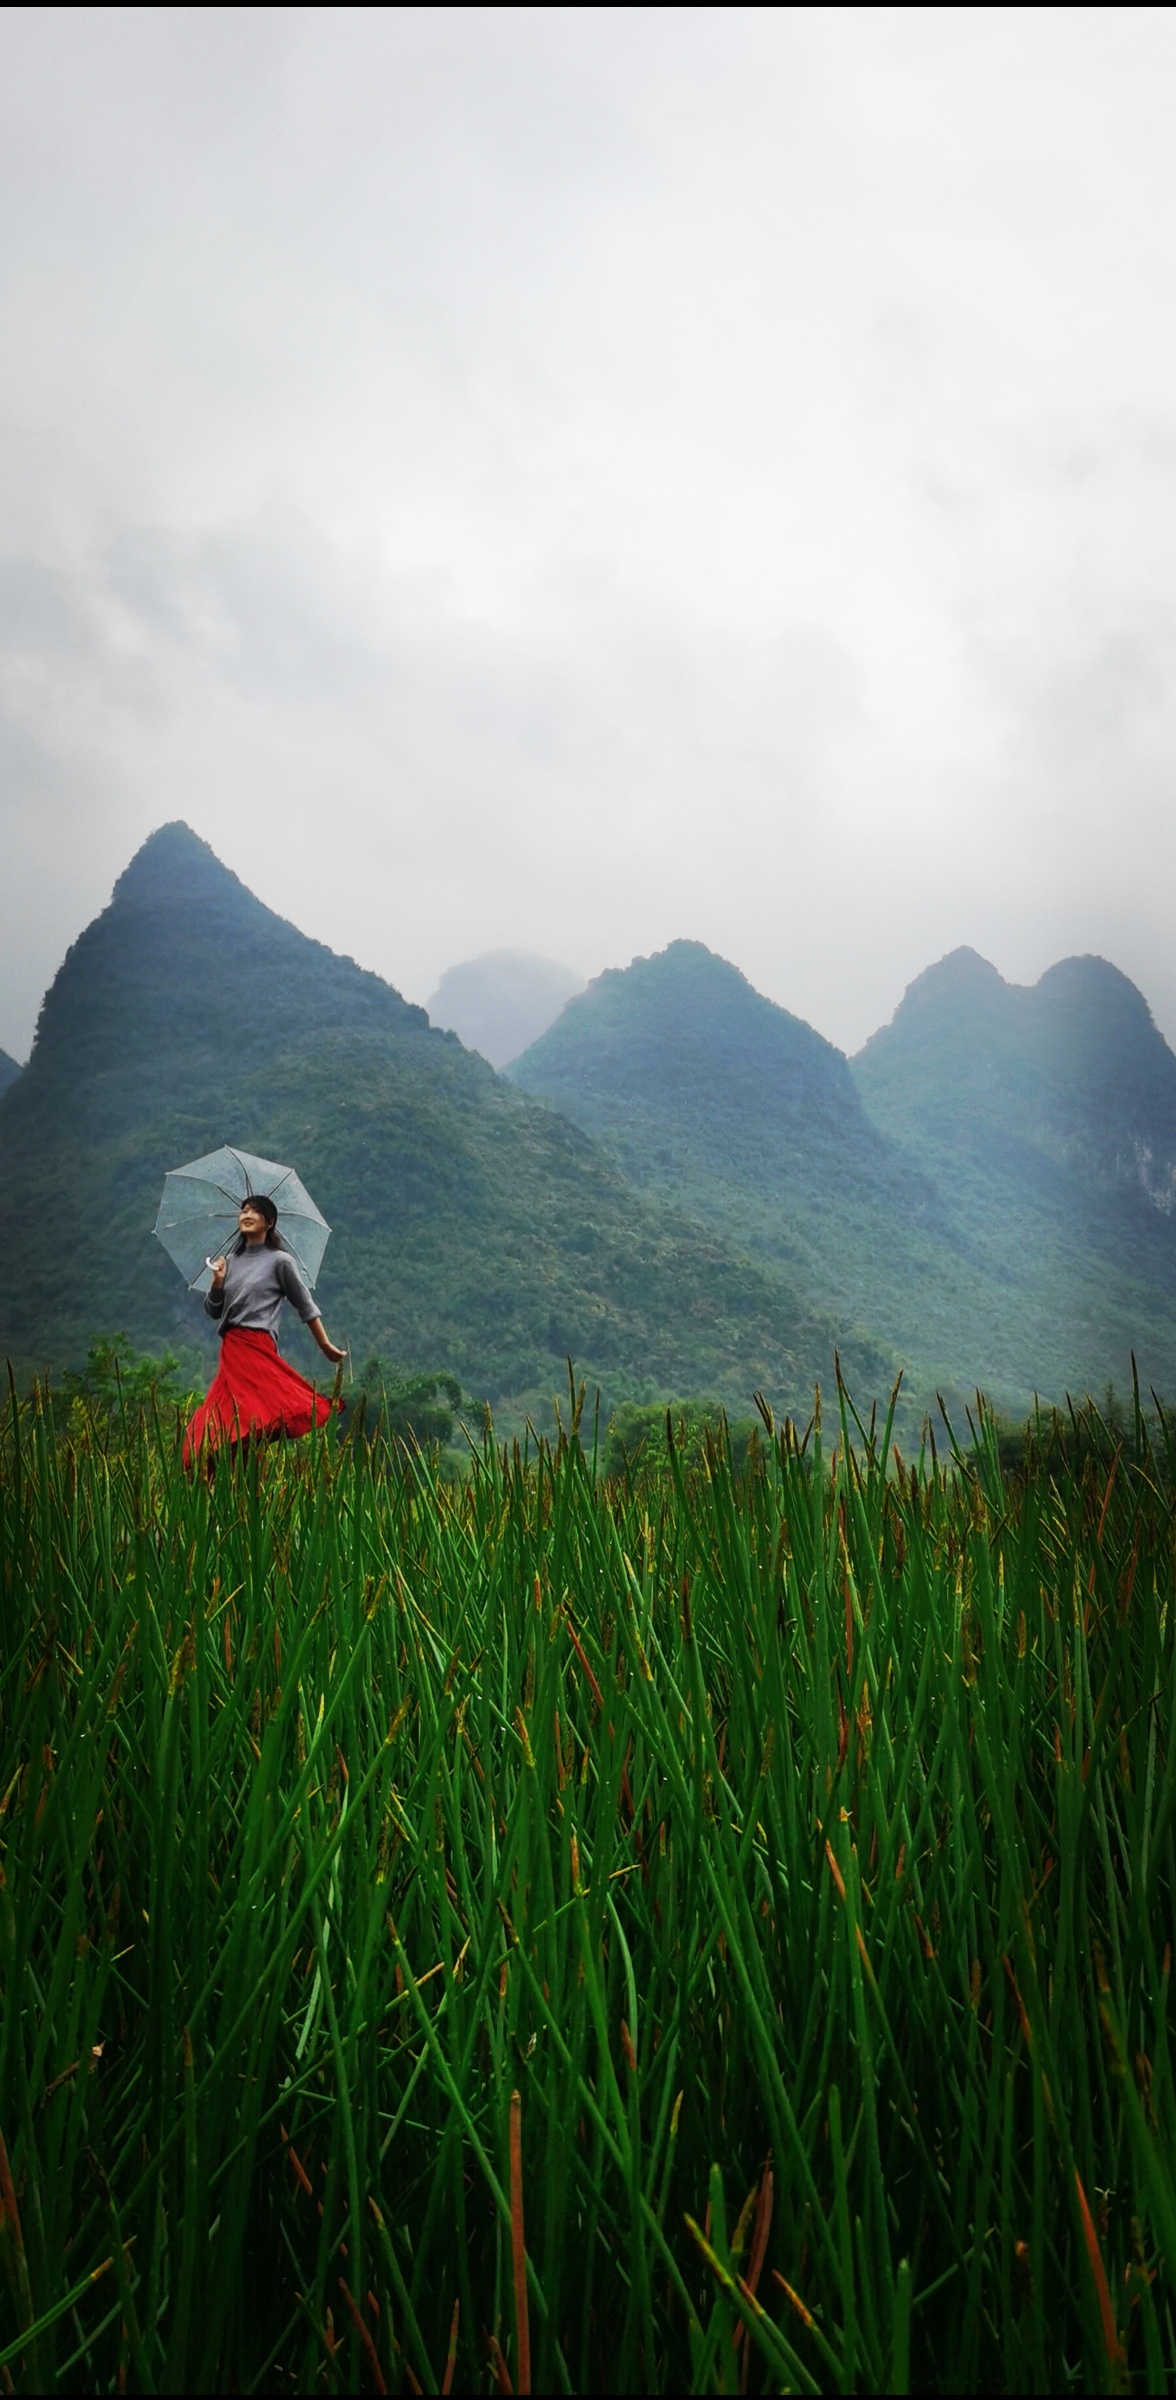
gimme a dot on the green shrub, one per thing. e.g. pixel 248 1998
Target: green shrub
pixel 417 1410
pixel 640 1435
pixel 118 1380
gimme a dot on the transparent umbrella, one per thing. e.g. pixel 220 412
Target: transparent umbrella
pixel 198 1212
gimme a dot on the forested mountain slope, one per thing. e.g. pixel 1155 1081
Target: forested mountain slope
pixel 1071 1070
pixel 1048 1114
pixel 681 1050
pixel 879 1190
pixel 705 1089
pixel 474 1229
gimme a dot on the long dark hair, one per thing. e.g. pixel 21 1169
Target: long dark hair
pixel 265 1208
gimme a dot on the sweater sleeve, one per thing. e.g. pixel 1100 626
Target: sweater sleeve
pixel 295 1290
pixel 214 1303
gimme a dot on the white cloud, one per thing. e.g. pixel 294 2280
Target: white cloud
pixel 570 478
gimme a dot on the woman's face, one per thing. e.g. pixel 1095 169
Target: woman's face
pixel 251 1222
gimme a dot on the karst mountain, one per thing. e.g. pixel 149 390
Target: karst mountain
pixel 988 1186
pixel 475 1229
pixel 680 1185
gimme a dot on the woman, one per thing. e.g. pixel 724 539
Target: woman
pixel 255 1390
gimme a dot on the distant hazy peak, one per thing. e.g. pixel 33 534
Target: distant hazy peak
pixel 503 1000
pixel 524 963
pixel 964 982
pixel 9 1070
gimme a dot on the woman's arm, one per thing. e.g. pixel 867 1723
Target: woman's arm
pixel 298 1294
pixel 326 1345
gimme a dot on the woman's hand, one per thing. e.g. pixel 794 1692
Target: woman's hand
pixel 219 1267
pixel 326 1345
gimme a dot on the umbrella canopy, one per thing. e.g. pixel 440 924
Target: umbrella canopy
pixel 198 1212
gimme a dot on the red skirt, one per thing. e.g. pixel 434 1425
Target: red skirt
pixel 254 1391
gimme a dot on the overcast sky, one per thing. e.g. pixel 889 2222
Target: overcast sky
pixel 570 479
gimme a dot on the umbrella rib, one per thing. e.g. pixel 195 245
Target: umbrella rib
pixel 209 1181
pixel 284 1177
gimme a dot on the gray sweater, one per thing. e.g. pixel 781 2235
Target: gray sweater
pixel 256 1283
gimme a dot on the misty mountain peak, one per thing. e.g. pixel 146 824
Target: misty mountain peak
pixel 1072 1068
pixel 500 1002
pixel 687 1001
pixel 683 966
pixel 185 944
pixel 684 959
pixel 1096 987
pixel 963 979
pixel 172 864
pixel 963 1001
pixel 677 1058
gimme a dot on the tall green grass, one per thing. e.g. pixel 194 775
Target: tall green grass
pixel 706 1933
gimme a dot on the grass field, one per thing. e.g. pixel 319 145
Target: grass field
pixel 707 1933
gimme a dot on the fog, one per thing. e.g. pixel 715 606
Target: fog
pixel 569 479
